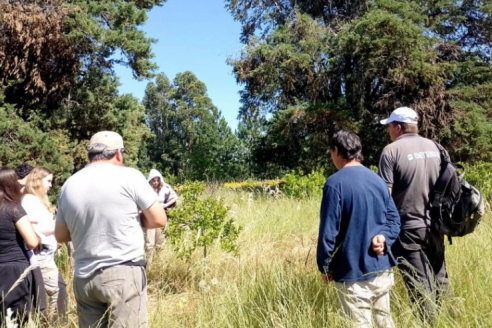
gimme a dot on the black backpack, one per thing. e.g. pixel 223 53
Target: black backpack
pixel 456 206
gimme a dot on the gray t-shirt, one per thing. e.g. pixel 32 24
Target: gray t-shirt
pixel 410 166
pixel 100 205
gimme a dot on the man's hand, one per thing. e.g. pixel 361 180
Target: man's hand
pixel 327 277
pixel 153 217
pixel 378 244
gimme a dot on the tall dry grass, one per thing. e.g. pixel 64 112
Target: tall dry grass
pixel 274 281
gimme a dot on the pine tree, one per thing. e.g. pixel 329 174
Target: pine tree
pixel 315 67
pixel 190 137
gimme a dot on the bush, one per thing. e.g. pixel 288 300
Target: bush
pixel 198 223
pixel 252 185
pixel 301 186
pixel 479 175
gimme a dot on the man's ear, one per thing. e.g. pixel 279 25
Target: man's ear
pixel 119 156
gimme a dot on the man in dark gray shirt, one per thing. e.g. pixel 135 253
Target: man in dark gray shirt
pixel 410 166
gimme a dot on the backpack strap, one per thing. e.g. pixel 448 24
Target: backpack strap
pixel 443 180
pixel 444 154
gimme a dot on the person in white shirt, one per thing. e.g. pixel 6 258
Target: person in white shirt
pixel 167 198
pixel 41 213
pixel 102 209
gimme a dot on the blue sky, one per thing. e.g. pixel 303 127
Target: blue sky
pixel 198 36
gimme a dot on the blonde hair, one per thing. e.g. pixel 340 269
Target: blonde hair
pixel 34 186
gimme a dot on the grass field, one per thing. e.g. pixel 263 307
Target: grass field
pixel 274 281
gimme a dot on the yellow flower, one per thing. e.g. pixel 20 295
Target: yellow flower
pixel 182 302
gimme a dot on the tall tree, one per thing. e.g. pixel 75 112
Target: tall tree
pixel 48 45
pixel 316 66
pixel 56 72
pixel 191 138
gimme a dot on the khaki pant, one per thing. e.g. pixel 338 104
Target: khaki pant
pixel 55 288
pixel 363 301
pixel 153 238
pixel 114 297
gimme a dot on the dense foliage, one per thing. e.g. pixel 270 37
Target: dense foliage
pixel 312 67
pixel 199 223
pixel 191 138
pixel 308 68
pixel 57 85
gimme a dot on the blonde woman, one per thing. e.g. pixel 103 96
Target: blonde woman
pixel 41 213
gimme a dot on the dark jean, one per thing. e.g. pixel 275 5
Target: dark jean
pixel 421 261
pixel 19 299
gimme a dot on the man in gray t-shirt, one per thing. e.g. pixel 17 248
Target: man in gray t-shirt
pixel 99 211
pixel 410 166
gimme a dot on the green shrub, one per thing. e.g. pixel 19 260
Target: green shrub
pixel 479 175
pixel 252 185
pixel 196 223
pixel 301 186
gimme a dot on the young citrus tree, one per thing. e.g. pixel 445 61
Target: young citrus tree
pixel 199 223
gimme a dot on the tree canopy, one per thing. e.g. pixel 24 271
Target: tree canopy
pixel 317 66
pixel 57 84
pixel 191 138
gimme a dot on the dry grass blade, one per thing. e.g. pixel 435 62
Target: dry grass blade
pixel 21 278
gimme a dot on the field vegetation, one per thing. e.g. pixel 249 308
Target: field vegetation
pixel 272 280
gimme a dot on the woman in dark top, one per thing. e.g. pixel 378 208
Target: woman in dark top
pixel 16 233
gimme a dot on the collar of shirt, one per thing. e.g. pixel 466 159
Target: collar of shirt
pixel 407 135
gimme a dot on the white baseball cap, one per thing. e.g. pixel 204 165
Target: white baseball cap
pixel 402 115
pixel 110 139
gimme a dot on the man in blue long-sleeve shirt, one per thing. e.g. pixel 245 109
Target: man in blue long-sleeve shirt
pixel 359 223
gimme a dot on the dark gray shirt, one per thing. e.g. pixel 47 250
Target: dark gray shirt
pixel 410 166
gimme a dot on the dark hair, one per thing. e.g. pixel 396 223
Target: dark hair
pixel 9 187
pixel 407 127
pixel 98 152
pixel 348 145
pixel 23 170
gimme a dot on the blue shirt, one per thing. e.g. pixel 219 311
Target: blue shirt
pixel 356 207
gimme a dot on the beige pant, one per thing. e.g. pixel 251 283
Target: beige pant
pixel 115 297
pixel 50 273
pixel 363 301
pixel 153 238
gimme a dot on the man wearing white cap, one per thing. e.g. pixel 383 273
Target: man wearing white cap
pixel 410 166
pixel 98 210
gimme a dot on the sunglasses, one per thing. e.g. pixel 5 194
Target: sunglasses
pixel 123 151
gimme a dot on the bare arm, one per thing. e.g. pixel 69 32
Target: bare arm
pixel 26 230
pixel 62 234
pixel 170 203
pixel 154 217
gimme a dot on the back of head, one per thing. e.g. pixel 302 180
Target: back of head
pixel 408 127
pixel 34 185
pixel 9 187
pixel 23 170
pixel 104 145
pixel 406 117
pixel 348 145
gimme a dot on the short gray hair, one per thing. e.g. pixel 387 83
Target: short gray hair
pixel 98 152
pixel 408 127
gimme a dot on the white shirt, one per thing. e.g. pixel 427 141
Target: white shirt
pixel 43 222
